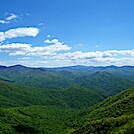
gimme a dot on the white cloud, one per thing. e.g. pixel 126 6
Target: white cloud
pixel 121 52
pixel 19 32
pixel 2 36
pixel 7 20
pixel 48 50
pixel 86 55
pixel 55 41
pixel 53 54
pixel 99 54
pixel 14 47
pixel 48 36
pixel 44 63
pixel 24 58
pixel 27 49
pixel 3 22
pixel 67 62
pixel 47 41
pixel 51 41
pixel 111 61
pixel 109 57
pixel 11 17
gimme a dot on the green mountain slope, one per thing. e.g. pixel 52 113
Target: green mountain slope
pixel 32 110
pixel 108 80
pixel 34 77
pixel 105 82
pixel 12 95
pixel 36 119
pixel 113 115
pixel 80 97
pixel 29 102
pixel 121 125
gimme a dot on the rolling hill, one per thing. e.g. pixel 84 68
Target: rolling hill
pixel 105 82
pixel 113 115
pixel 74 99
pixel 12 95
pixel 105 79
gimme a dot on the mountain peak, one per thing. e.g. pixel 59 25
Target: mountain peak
pixel 2 67
pixel 18 66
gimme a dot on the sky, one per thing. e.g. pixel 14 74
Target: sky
pixel 57 33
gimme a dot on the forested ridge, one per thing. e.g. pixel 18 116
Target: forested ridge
pixel 74 99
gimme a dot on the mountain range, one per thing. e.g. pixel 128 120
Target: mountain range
pixel 76 99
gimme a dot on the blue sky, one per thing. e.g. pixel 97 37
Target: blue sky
pixel 53 33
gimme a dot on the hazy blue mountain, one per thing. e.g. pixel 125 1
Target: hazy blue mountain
pixel 61 78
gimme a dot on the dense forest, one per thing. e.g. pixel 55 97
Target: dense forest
pixel 68 100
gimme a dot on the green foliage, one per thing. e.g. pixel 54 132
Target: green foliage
pixel 36 119
pixel 106 83
pixel 12 95
pixel 80 97
pixel 120 125
pixel 65 100
pixel 34 77
pixel 113 115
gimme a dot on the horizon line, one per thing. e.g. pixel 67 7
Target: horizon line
pixel 64 66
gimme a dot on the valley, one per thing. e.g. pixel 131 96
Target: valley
pixel 67 100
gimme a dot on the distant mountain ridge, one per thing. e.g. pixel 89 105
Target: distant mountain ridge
pixel 65 77
pixel 72 67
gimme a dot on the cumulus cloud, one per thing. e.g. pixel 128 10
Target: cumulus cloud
pixel 7 20
pixel 28 50
pixel 11 17
pixel 14 47
pixel 2 36
pixel 109 57
pixel 54 41
pixel 49 50
pixel 53 53
pixel 98 54
pixel 111 61
pixel 85 55
pixel 54 49
pixel 67 62
pixel 121 52
pixel 51 41
pixel 3 22
pixel 47 41
pixel 19 32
